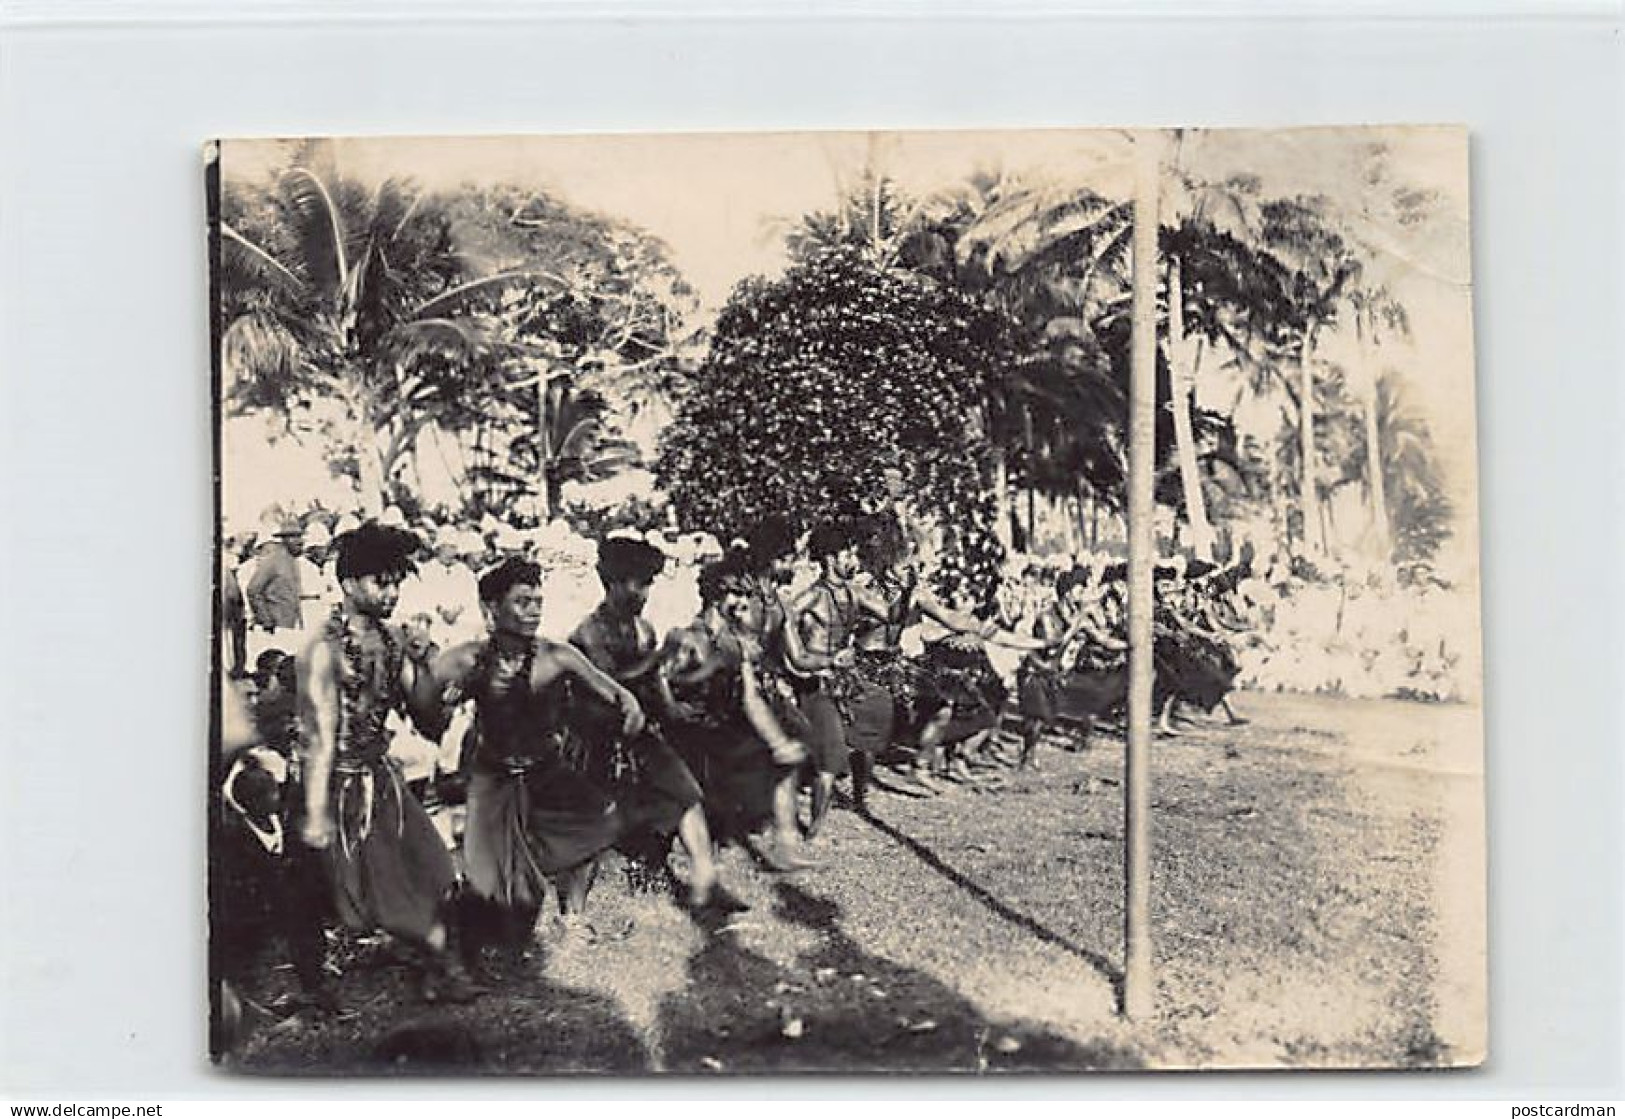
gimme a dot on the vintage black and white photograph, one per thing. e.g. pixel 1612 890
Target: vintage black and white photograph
pixel 931 602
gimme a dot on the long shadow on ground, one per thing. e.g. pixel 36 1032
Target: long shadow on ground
pixel 838 1008
pixel 994 904
pixel 529 1025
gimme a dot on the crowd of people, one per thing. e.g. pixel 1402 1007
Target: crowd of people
pixel 404 752
pixel 1359 634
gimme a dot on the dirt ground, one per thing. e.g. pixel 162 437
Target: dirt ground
pixel 1317 901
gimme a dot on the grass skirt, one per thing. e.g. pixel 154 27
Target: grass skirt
pixel 390 869
pixel 526 825
pixel 735 769
pixel 965 679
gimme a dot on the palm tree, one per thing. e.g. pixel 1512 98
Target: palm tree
pixel 1214 276
pixel 333 290
pixel 1322 268
pixel 1053 260
pixel 1046 412
pixel 875 217
pixel 615 326
pixel 1374 311
pixel 1419 507
pixel 1056 250
pixel 575 440
pixel 1060 256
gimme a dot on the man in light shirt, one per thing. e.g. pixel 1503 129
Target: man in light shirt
pixel 274 593
pixel 443 597
pixel 318 589
pixel 447 592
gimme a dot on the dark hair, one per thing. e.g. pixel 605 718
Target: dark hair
pixel 622 558
pixel 724 576
pixel 375 549
pixel 883 543
pixel 274 664
pixel 515 571
pixel 1072 577
pixel 831 537
pixel 772 538
pixel 1197 568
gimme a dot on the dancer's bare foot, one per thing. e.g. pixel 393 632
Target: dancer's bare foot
pixel 781 854
pixel 908 783
pixel 959 770
pixel 572 930
pixel 701 886
pixel 926 780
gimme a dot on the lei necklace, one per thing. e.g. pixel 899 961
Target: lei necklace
pixel 354 676
pixel 501 669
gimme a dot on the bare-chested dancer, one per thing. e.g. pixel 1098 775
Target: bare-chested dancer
pixel 390 869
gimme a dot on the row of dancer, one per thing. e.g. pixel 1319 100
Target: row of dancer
pixel 575 747
pixel 1082 674
pixel 616 739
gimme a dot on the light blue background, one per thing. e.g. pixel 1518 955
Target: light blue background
pixel 104 456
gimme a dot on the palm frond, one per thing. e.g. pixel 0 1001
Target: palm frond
pixel 259 261
pixel 574 440
pixel 318 230
pixel 258 345
pixel 457 340
pixel 449 298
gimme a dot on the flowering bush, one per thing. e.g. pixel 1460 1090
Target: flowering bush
pixel 818 383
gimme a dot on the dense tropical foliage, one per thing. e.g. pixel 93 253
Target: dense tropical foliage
pixel 973 341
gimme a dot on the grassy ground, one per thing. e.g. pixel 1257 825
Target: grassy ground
pixel 1307 869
